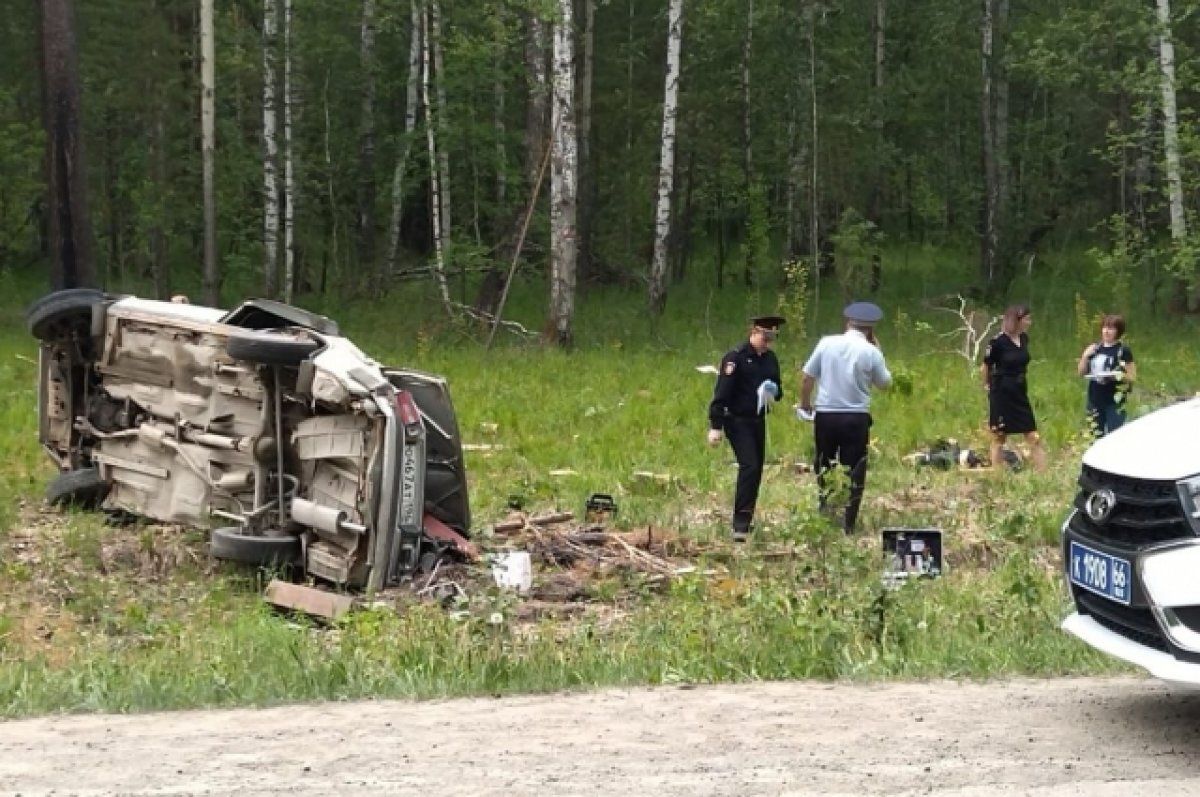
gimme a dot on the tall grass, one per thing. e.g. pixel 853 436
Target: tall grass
pixel 90 621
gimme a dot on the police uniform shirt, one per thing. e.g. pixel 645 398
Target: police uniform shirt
pixel 845 367
pixel 742 371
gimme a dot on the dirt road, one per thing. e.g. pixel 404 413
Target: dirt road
pixel 1101 738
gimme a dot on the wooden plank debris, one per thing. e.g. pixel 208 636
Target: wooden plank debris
pixel 309 600
pixel 536 520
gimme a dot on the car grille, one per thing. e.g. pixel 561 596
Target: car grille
pixel 1137 625
pixel 1147 512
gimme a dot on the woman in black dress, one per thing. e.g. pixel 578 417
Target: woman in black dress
pixel 1003 371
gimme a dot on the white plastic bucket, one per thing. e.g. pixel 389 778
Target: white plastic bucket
pixel 513 570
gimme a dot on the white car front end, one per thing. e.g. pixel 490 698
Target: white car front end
pixel 1131 545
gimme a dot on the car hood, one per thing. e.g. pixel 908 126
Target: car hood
pixel 1161 446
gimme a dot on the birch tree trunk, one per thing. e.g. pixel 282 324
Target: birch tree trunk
pixel 212 274
pixel 1188 283
pixel 630 55
pixel 289 160
pixel 1166 60
pixel 563 179
pixel 439 71
pixel 66 178
pixel 666 168
pixel 435 193
pixel 535 109
pixel 158 235
pixel 410 126
pixel 501 133
pixel 270 151
pixel 814 189
pixel 875 205
pixel 587 175
pixel 1003 162
pixel 794 179
pixel 989 227
pixel 748 264
pixel 366 142
pixel 330 195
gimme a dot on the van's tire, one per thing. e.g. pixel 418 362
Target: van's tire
pixel 59 315
pixel 262 348
pixel 81 488
pixel 230 544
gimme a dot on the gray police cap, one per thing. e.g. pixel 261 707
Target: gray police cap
pixel 863 313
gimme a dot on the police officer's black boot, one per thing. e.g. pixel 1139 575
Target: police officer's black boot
pixel 741 527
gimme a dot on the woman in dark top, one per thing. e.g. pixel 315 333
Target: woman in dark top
pixel 1004 365
pixel 1110 370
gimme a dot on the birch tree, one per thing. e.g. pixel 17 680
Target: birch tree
pixel 587 176
pixel 990 228
pixel 158 171
pixel 289 160
pixel 435 193
pixel 212 274
pixel 270 118
pixel 410 125
pixel 814 234
pixel 535 108
pixel 366 140
pixel 666 167
pixel 66 178
pixel 563 180
pixel 875 203
pixel 440 114
pixel 498 126
pixel 1174 171
pixel 747 137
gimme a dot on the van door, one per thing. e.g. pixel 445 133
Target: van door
pixel 446 496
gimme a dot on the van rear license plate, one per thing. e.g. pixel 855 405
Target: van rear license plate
pixel 1101 573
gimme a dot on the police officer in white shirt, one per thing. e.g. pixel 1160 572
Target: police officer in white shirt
pixel 845 367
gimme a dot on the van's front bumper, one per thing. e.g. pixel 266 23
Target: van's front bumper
pixel 1161 665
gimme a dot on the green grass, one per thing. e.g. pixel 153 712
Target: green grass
pixel 94 618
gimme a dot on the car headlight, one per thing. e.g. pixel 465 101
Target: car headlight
pixel 1189 498
pixel 1171 576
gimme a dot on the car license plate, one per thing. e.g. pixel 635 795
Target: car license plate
pixel 1101 573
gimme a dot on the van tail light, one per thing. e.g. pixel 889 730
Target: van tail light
pixel 406 408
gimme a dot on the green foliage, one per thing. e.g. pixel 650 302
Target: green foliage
pixel 1117 264
pixel 1087 322
pixel 856 248
pixel 757 247
pixel 799 601
pixel 794 296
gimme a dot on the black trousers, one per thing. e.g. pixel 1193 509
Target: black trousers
pixel 748 439
pixel 842 439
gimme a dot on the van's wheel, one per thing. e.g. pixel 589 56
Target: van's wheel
pixel 59 315
pixel 82 488
pixel 231 544
pixel 263 348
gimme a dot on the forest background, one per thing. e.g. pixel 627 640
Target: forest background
pixel 649 175
pixel 345 147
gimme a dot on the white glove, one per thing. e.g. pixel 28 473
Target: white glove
pixel 804 415
pixel 714 436
pixel 768 392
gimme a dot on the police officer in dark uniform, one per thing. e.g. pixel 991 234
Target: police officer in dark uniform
pixel 747 383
